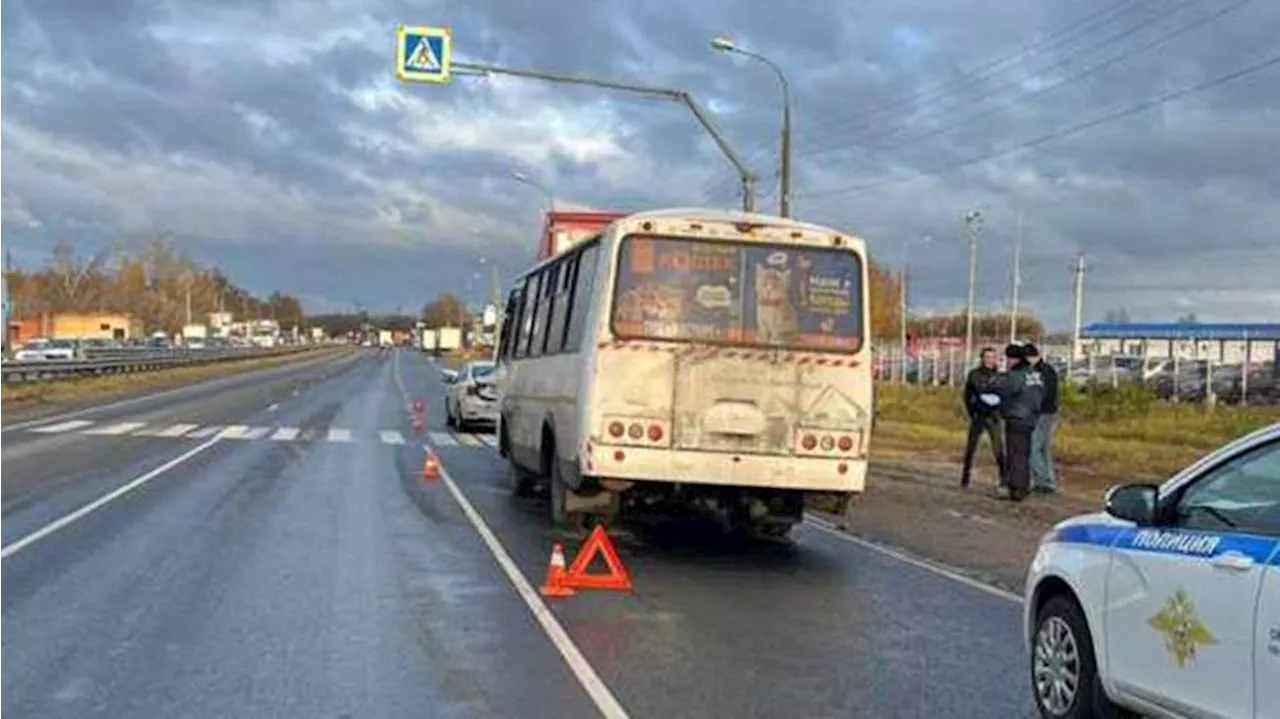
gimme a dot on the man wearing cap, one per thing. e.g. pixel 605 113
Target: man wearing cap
pixel 1020 402
pixel 1042 479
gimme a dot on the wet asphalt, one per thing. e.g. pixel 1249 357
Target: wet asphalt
pixel 317 578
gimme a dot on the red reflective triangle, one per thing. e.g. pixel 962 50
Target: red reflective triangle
pixel 616 578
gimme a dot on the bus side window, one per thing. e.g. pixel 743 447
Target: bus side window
pixel 547 281
pixel 555 328
pixel 569 279
pixel 582 297
pixel 529 309
pixel 512 319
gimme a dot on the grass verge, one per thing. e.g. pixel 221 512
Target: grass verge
pixel 1104 437
pixel 36 396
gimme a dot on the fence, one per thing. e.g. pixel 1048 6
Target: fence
pixel 1171 379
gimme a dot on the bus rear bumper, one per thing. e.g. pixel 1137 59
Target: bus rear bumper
pixel 808 474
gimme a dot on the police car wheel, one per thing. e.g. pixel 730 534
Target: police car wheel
pixel 1064 675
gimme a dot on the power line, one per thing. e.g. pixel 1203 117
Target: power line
pixel 991 92
pixel 1134 109
pixel 1059 39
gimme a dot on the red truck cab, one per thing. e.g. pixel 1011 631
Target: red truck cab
pixel 564 229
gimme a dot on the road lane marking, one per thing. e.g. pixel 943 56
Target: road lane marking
pixel 115 429
pixel 64 426
pixel 390 436
pixel 206 432
pixel 240 431
pixel 286 434
pixel 468 440
pixel 442 439
pixel 273 407
pixel 102 501
pixel 338 434
pixel 176 430
pixel 595 687
pixel 489 439
pixel 928 566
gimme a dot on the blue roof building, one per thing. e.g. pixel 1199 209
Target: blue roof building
pixel 1182 331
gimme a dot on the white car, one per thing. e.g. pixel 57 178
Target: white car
pixel 42 350
pixel 470 395
pixel 1167 603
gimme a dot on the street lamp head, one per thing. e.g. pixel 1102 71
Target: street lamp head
pixel 723 44
pixel 973 216
pixel 519 176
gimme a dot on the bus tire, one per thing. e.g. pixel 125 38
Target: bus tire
pixel 561 517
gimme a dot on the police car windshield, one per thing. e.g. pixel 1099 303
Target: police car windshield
pixel 481 370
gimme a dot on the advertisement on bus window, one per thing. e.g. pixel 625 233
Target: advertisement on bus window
pixel 738 293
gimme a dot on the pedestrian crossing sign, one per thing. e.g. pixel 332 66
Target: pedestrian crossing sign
pixel 423 53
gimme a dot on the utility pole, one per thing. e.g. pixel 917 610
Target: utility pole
pixel 8 301
pixel 972 220
pixel 1017 281
pixel 902 309
pixel 5 305
pixel 188 300
pixel 1078 311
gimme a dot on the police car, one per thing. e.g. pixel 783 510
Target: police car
pixel 1168 603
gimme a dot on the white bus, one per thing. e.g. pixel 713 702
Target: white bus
pixel 690 358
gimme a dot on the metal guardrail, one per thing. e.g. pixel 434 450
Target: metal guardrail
pixel 130 360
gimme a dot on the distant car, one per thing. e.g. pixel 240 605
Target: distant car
pixel 470 396
pixel 1167 603
pixel 44 350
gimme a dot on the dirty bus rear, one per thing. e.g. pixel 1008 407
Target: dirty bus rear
pixel 690 359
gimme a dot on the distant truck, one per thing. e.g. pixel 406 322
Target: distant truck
pixel 430 338
pixel 195 337
pixel 564 229
pixel 450 339
pixel 385 338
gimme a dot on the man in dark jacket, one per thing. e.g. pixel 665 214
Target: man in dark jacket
pixel 1042 479
pixel 1020 404
pixel 982 402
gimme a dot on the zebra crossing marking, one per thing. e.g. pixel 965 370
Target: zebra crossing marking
pixel 116 429
pixel 286 434
pixel 183 430
pixel 64 426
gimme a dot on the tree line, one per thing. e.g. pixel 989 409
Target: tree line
pixel 151 285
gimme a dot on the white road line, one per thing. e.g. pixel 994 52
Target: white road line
pixel 64 426
pixel 98 503
pixel 488 439
pixel 585 673
pixel 469 440
pixel 442 439
pixel 205 432
pixel 240 431
pixel 905 558
pixel 390 436
pixel 120 428
pixel 338 434
pixel 273 408
pixel 286 434
pixel 176 430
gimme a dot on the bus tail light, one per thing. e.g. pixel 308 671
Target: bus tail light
pixel 616 429
pixel 655 433
pixel 828 443
pixel 845 443
pixel 809 442
pixel 636 431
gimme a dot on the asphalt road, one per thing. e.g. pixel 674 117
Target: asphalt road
pixel 289 560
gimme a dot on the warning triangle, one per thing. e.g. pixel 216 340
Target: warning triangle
pixel 597 544
pixel 423 57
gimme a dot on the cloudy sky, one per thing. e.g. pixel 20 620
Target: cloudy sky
pixel 271 138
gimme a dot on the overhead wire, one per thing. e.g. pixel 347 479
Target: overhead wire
pixel 1140 106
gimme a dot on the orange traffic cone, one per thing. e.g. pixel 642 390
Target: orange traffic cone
pixel 431 466
pixel 554 586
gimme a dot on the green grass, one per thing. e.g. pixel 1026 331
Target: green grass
pixel 1108 435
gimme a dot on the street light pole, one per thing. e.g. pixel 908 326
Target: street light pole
pixel 972 219
pixel 521 177
pixel 723 44
pixel 1017 281
pixel 745 175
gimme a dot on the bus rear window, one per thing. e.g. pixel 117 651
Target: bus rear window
pixel 738 293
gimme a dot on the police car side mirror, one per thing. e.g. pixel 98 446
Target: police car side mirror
pixel 1133 502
